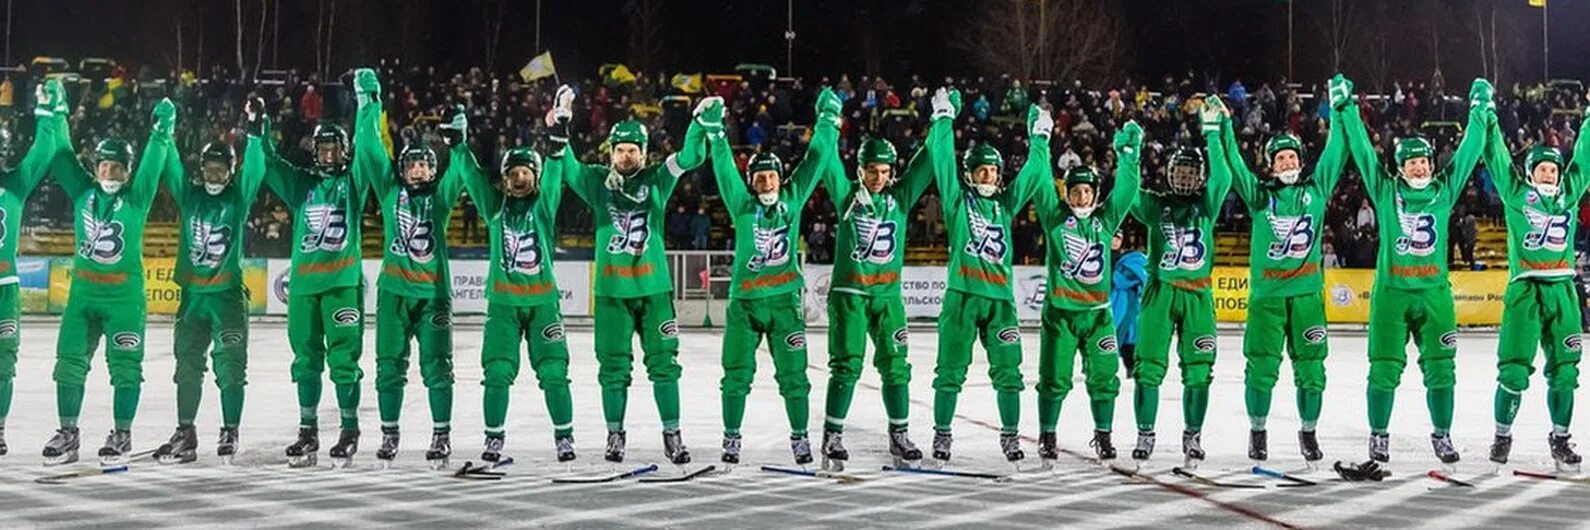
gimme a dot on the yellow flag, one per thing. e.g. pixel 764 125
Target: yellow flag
pixel 687 83
pixel 616 75
pixel 540 66
pixel 108 100
pixel 1537 3
pixel 386 133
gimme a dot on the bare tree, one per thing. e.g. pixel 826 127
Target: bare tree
pixel 238 9
pixel 645 32
pixel 1339 25
pixel 494 22
pixel 259 39
pixel 1008 37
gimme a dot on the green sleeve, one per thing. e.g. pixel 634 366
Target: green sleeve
pixel 1242 179
pixel 372 163
pixel 1467 156
pixel 1334 158
pixel 919 171
pixel 946 175
pixel 36 163
pixel 450 185
pixel 1219 170
pixel 151 169
pixel 68 171
pixel 692 154
pixel 176 178
pixel 1146 202
pixel 551 192
pixel 820 154
pixel 838 183
pixel 584 179
pixel 466 169
pixel 1035 172
pixel 731 185
pixel 1578 176
pixel 1363 152
pixel 250 185
pixel 1128 180
pixel 261 162
pixel 1046 201
pixel 1500 162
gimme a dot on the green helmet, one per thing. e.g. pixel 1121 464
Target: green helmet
pixel 627 132
pixel 765 162
pixel 519 156
pixel 981 155
pixel 114 150
pixel 1541 153
pixel 1411 147
pixel 876 150
pixel 416 152
pixel 1282 142
pixel 1082 175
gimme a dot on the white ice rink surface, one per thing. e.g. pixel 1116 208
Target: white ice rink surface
pixel 262 492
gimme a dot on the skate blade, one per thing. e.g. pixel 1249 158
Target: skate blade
pixel 381 464
pixel 1571 469
pixel 176 459
pixel 833 465
pixel 113 461
pixel 440 464
pixel 341 463
pixel 1191 464
pixel 227 460
pixel 302 461
pixel 907 464
pixel 60 460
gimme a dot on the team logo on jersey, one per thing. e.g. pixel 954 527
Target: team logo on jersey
pixel 1204 344
pixel 1184 246
pixel 632 232
pixel 521 251
pixel 1009 335
pixel 210 243
pixel 126 340
pixel 346 316
pixel 1449 339
pixel 1107 344
pixel 414 237
pixel 231 337
pixel 328 228
pixel 1572 342
pixel 1531 197
pixel 443 320
pixel 987 239
pixel 669 329
pixel 902 337
pixel 796 340
pixel 1547 231
pixel 875 240
pixel 553 332
pixel 104 240
pixel 8 329
pixel 1314 335
pixel 1084 259
pixel 3 233
pixel 1294 236
pixel 772 248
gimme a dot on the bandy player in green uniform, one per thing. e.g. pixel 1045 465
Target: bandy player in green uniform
pixel 1076 311
pixel 980 302
pixel 212 318
pixel 521 291
pixel 1179 210
pixel 325 300
pixel 414 304
pixel 107 292
pixel 1413 295
pixel 634 292
pixel 16 184
pixel 864 297
pixel 767 283
pixel 1542 309
pixel 1286 308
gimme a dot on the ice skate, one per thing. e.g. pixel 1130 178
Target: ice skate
pixel 441 451
pixel 182 448
pixel 564 446
pixel 902 450
pixel 1145 447
pixel 118 445
pixel 62 448
pixel 226 445
pixel 342 453
pixel 385 454
pixel 304 452
pixel 1103 447
pixel 615 447
pixel 1380 447
pixel 674 447
pixel 731 449
pixel 1192 449
pixel 1562 453
pixel 1010 445
pixel 1444 450
pixel 492 452
pixel 1048 449
pixel 801 448
pixel 1258 446
pixel 834 453
pixel 1308 444
pixel 942 440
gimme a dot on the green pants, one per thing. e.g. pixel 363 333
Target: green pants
pixel 1188 317
pixel 400 322
pixel 540 329
pixel 326 329
pixel 88 318
pixel 1297 325
pixel 211 324
pixel 854 319
pixel 1067 334
pixel 618 320
pixel 779 319
pixel 1427 316
pixel 1543 315
pixel 10 342
pixel 967 318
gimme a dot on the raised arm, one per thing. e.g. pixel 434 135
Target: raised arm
pixel 372 162
pixel 1363 151
pixel 261 163
pixel 46 142
pixel 940 142
pixel 731 185
pixel 1577 178
pixel 1333 160
pixel 1500 162
pixel 1128 175
pixel 694 151
pixel 1211 123
pixel 1243 181
pixel 152 165
pixel 1481 112
pixel 1036 172
pixel 945 169
pixel 823 150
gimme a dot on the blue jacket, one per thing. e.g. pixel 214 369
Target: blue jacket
pixel 1126 294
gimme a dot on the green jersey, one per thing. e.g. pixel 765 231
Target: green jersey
pixel 210 247
pixel 631 261
pixel 1078 260
pixel 328 207
pixel 869 247
pixel 979 227
pixel 15 186
pixel 522 231
pixel 1540 229
pixel 414 221
pixel 1414 223
pixel 1181 230
pixel 767 238
pixel 1288 221
pixel 109 227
